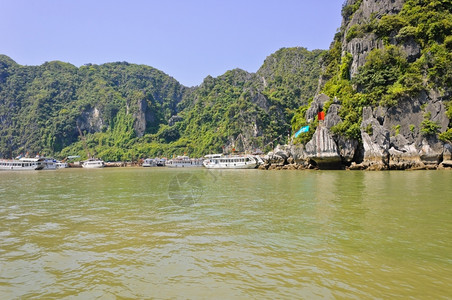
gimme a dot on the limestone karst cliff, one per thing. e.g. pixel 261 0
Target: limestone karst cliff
pixel 386 89
pixel 128 111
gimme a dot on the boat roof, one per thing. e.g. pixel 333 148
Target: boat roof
pixel 32 159
pixel 213 155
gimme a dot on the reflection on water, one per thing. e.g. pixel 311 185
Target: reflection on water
pixel 159 233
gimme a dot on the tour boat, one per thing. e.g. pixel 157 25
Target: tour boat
pixel 61 165
pixel 154 162
pixel 22 164
pixel 49 164
pixel 218 161
pixel 93 164
pixel 161 162
pixel 149 162
pixel 28 164
pixel 184 162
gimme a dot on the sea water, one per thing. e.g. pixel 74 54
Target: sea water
pixel 233 234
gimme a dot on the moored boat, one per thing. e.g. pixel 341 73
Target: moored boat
pixel 161 162
pixel 93 163
pixel 22 164
pixel 61 165
pixel 49 163
pixel 219 161
pixel 149 162
pixel 28 164
pixel 184 162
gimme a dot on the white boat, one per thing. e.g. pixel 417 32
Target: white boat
pixel 49 163
pixel 28 164
pixel 23 164
pixel 149 162
pixel 61 165
pixel 184 162
pixel 93 164
pixel 154 162
pixel 218 161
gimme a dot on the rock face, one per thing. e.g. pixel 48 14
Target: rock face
pixel 360 47
pixel 391 137
pixel 323 149
pixel 375 139
pixel 143 116
pixel 316 106
pixel 91 120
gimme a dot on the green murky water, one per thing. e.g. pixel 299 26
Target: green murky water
pixel 237 234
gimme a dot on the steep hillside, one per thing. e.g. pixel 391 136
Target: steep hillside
pixel 244 111
pixel 388 79
pixel 43 108
pixel 125 111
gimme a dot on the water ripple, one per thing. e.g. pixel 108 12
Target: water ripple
pixel 270 235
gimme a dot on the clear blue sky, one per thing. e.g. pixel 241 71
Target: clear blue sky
pixel 187 39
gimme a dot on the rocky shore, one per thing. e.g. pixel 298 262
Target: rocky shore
pixel 295 157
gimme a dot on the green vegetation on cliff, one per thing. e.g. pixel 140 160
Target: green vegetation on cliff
pixel 239 110
pixel 389 74
pixel 125 111
pixel 43 107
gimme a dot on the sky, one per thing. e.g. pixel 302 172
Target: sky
pixel 186 39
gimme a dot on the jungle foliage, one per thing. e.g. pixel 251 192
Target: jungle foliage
pixel 388 74
pixel 44 108
pixel 122 111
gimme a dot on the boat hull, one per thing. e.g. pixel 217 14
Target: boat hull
pixel 231 166
pixel 184 164
pixel 231 162
pixel 93 164
pixel 22 165
pixel 92 167
pixel 17 168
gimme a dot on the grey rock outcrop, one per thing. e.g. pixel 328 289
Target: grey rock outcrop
pixel 323 149
pixel 174 119
pixel 360 47
pixel 411 49
pixel 279 157
pixel 316 106
pixel 91 120
pixel 430 150
pixel 346 147
pixel 447 153
pixel 400 136
pixel 287 157
pixel 375 139
pixel 332 117
pixel 437 110
pixel 392 138
pixel 298 154
pixel 143 116
pixel 402 154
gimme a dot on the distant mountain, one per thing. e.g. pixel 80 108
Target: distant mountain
pixel 125 111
